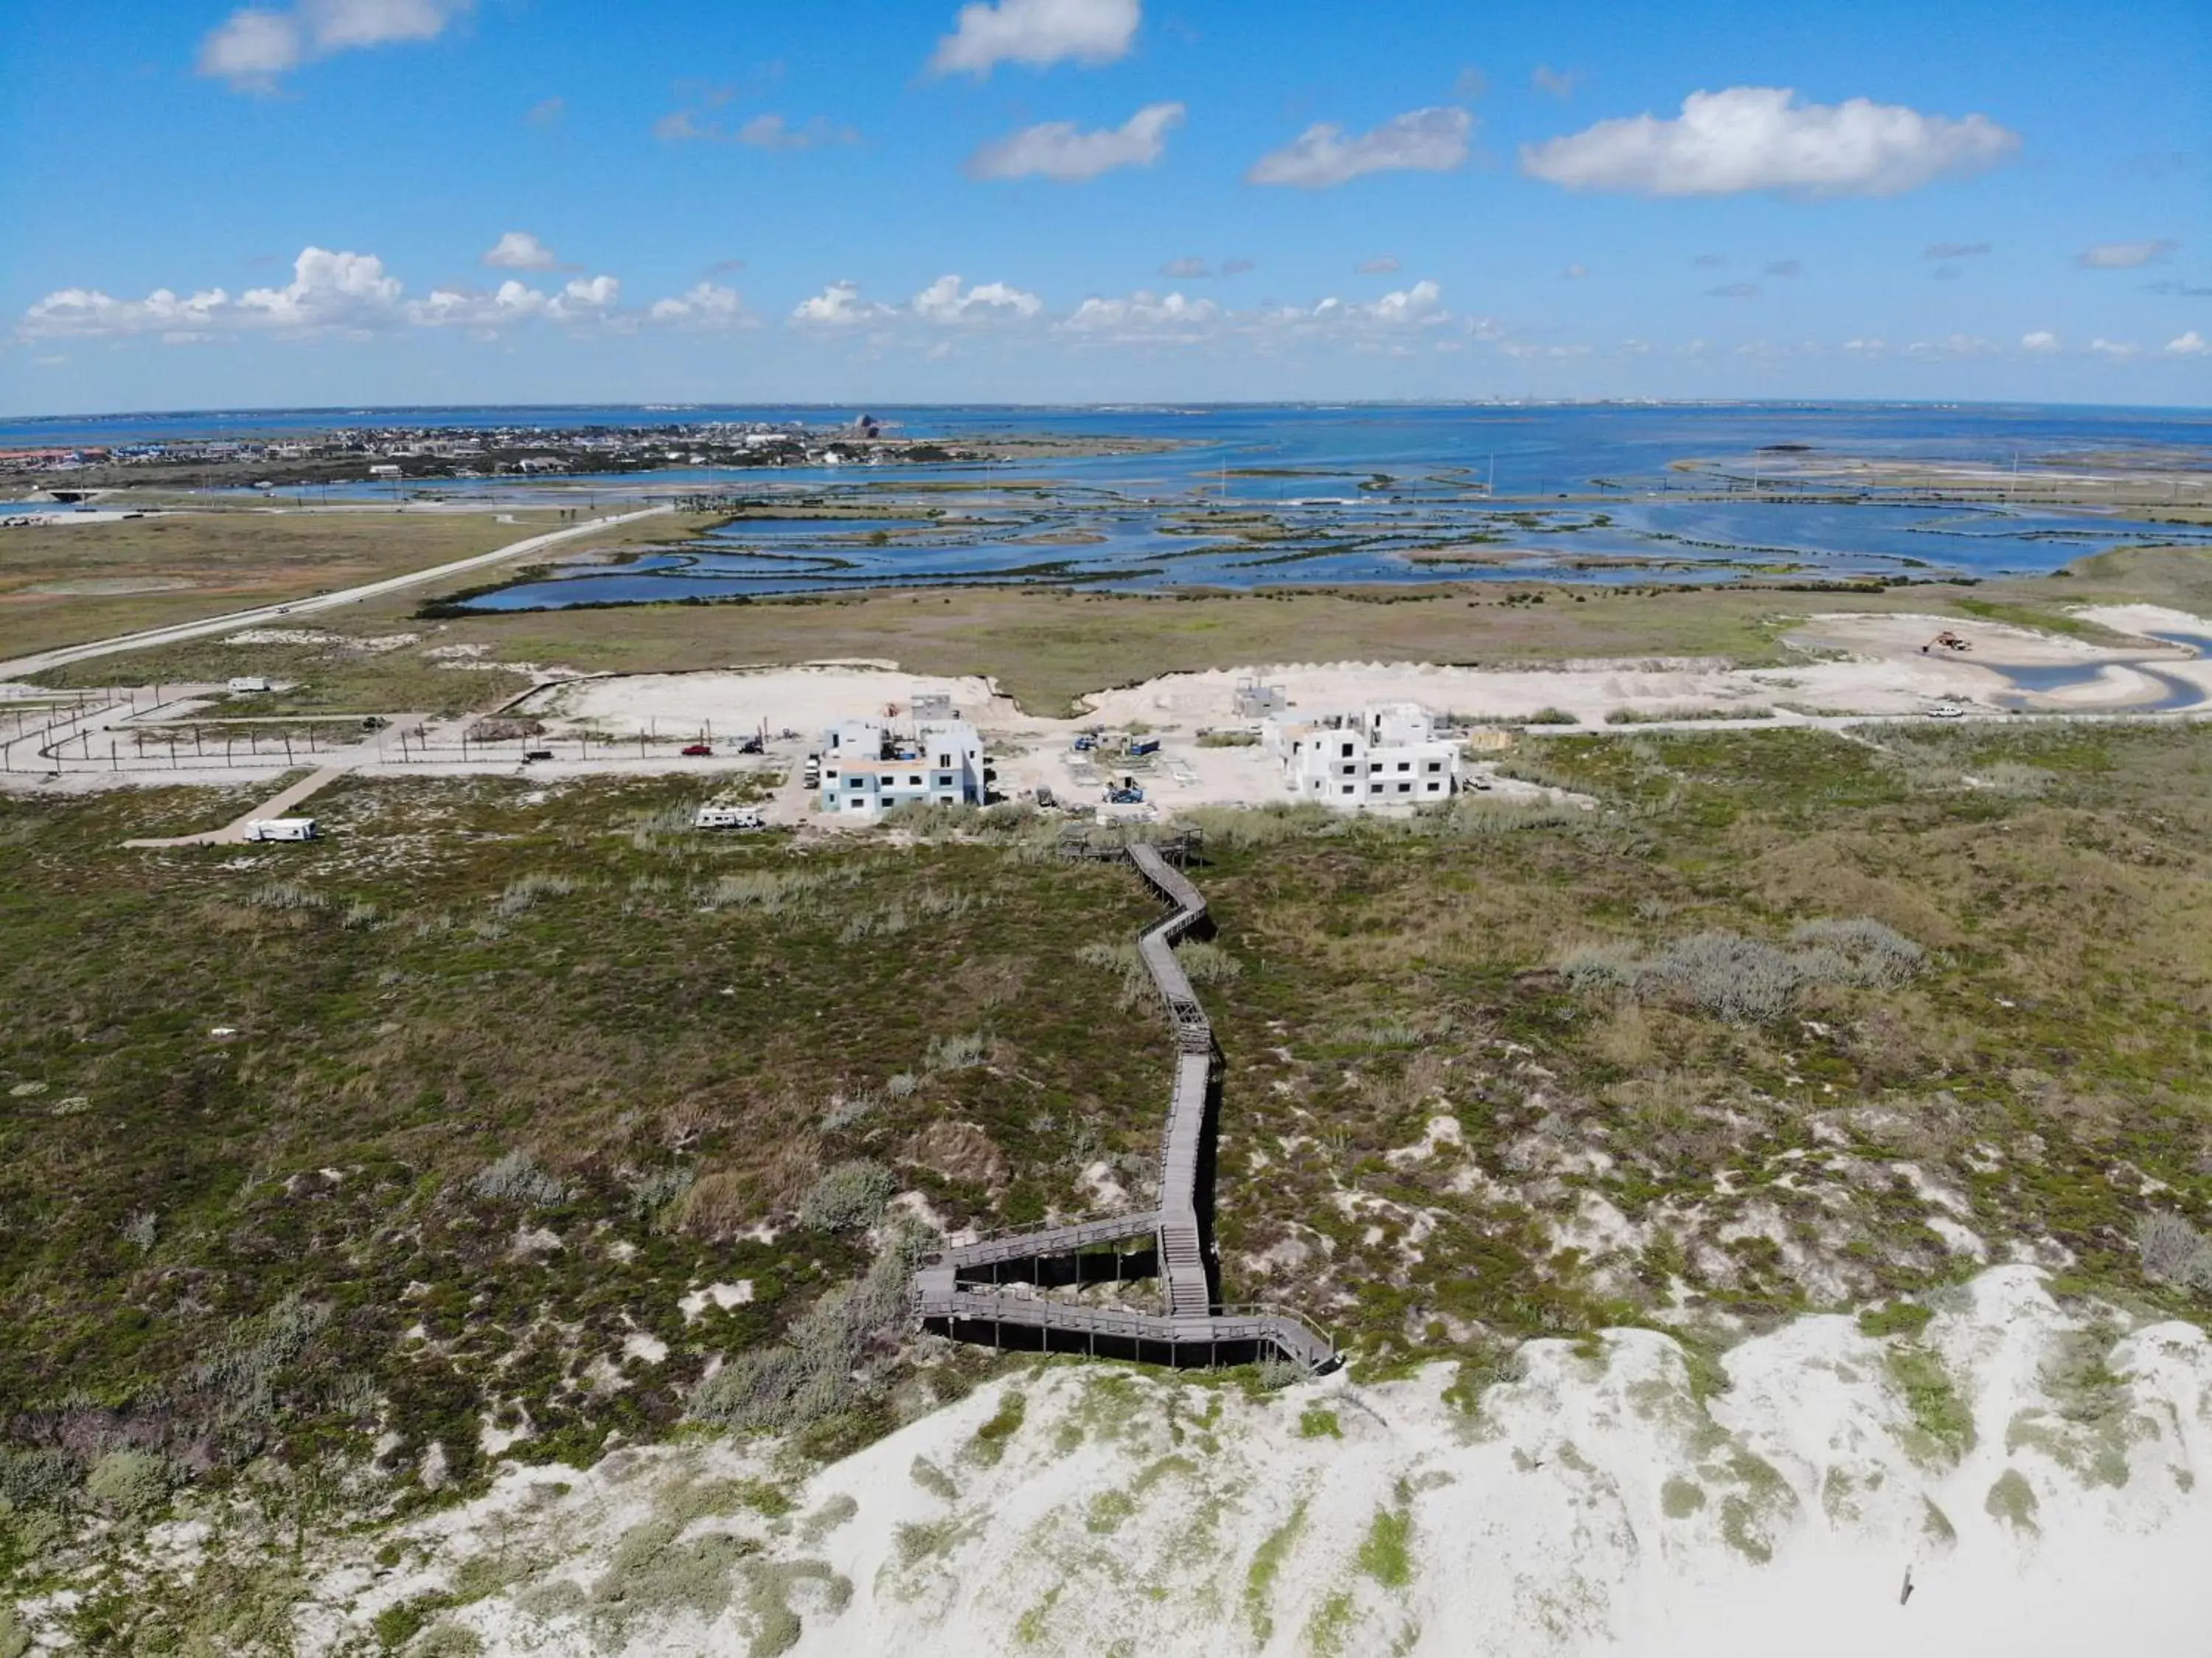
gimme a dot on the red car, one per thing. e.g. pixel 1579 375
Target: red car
pixel 698 750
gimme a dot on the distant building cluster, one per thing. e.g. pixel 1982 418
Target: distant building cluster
pixel 1383 754
pixel 392 454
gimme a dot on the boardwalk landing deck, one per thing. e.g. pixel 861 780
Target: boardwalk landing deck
pixel 959 1290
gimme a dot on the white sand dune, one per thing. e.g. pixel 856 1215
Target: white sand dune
pixel 1600 1502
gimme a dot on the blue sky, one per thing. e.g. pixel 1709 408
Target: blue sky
pixel 373 201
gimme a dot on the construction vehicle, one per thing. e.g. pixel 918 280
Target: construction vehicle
pixel 1127 793
pixel 1948 641
pixel 1139 746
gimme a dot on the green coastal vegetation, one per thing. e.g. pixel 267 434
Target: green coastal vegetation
pixel 496 1117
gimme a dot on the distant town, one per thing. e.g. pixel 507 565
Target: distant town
pixel 399 455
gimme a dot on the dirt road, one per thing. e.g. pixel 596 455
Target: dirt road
pixel 179 631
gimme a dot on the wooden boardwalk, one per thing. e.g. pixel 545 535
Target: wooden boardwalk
pixel 963 1292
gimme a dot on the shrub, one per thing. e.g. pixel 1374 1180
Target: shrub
pixel 1206 963
pixel 1553 716
pixel 1747 980
pixel 526 890
pixel 244 1366
pixel 715 1205
pixel 1869 953
pixel 811 1376
pixel 845 1110
pixel 287 895
pixel 1123 961
pixel 651 1195
pixel 516 1177
pixel 1232 828
pixel 1676 716
pixel 849 1197
pixel 956 1052
pixel 129 1483
pixel 773 891
pixel 2174 1252
pixel 38 1479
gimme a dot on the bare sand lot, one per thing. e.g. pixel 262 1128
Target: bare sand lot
pixel 1869 664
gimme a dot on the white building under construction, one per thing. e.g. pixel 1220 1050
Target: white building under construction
pixel 1384 754
pixel 870 766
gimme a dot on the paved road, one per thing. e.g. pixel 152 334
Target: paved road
pixel 288 612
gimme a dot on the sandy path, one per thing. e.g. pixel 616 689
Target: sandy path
pixel 275 806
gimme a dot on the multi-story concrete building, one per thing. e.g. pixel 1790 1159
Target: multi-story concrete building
pixel 1385 754
pixel 867 766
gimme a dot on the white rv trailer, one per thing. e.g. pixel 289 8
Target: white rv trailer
pixel 280 829
pixel 715 816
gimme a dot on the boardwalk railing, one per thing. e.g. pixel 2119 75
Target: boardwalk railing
pixel 1192 1329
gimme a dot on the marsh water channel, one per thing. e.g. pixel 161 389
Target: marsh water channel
pixel 1246 497
pixel 1242 497
pixel 1233 535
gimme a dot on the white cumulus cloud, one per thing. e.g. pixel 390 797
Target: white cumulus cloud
pixel 1420 305
pixel 331 293
pixel 707 306
pixel 839 306
pixel 947 304
pixel 252 46
pixel 1761 138
pixel 2125 255
pixel 1951 345
pixel 1038 33
pixel 1141 315
pixel 2118 349
pixel 2191 344
pixel 2040 339
pixel 518 250
pixel 1060 149
pixel 1433 140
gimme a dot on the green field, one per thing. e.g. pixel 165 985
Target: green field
pixel 63 585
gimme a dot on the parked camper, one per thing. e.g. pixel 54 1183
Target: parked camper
pixel 249 682
pixel 713 816
pixel 280 829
